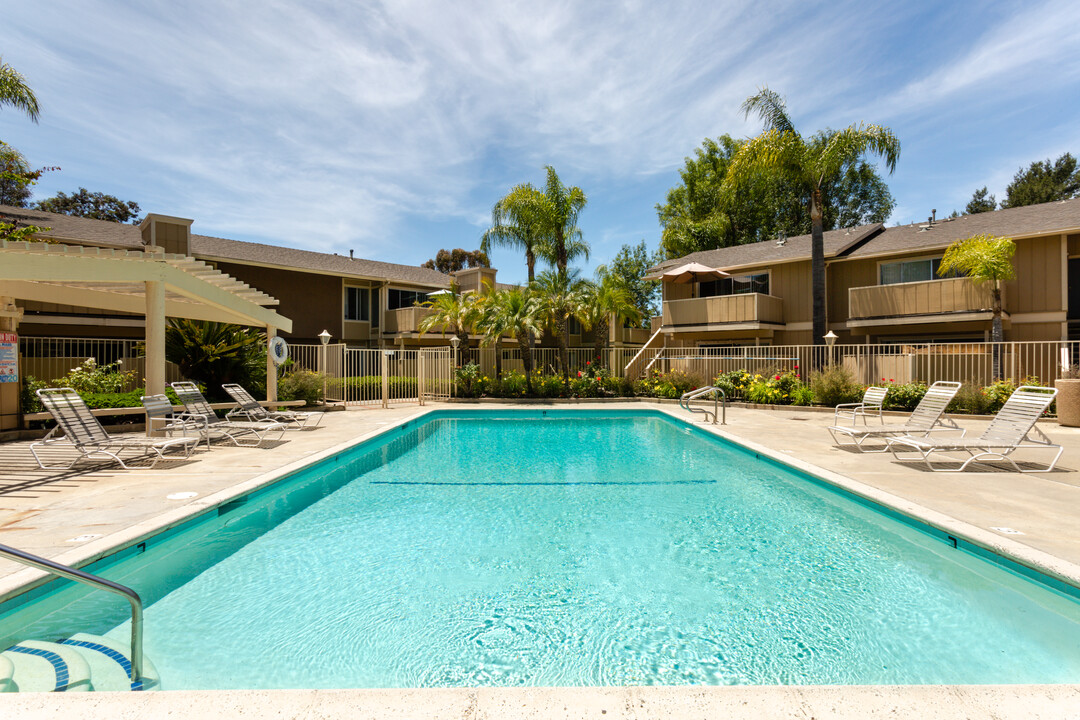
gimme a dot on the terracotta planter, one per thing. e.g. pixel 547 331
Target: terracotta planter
pixel 1068 402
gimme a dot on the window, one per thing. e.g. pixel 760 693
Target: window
pixel 404 298
pixel 739 285
pixel 573 327
pixel 357 304
pixel 911 271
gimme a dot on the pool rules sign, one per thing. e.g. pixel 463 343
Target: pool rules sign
pixel 9 357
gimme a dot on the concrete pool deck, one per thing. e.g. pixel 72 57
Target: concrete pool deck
pixel 74 516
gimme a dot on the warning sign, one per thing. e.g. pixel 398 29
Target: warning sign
pixel 9 357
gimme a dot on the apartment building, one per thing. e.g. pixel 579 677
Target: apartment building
pixel 882 285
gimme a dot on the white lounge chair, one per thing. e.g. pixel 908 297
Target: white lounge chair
pixel 161 418
pixel 871 403
pixel 83 432
pixel 927 417
pixel 195 405
pixel 251 410
pixel 1009 431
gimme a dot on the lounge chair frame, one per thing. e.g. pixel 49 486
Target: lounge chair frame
pixel 870 405
pixel 84 432
pixel 252 411
pixel 927 417
pixel 1013 428
pixel 161 417
pixel 196 406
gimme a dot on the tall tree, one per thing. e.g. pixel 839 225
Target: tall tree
pixel 604 301
pixel 699 215
pixel 448 261
pixel 558 216
pixel 981 201
pixel 517 312
pixel 15 92
pixel 515 223
pixel 984 259
pixel 1044 181
pixel 560 294
pixel 810 165
pixel 629 267
pixel 16 177
pixel 95 205
pixel 453 312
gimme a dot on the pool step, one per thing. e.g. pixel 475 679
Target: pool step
pixel 79 664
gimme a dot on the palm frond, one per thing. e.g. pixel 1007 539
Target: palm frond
pixel 771 108
pixel 983 258
pixel 15 92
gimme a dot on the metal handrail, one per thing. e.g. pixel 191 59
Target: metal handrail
pixel 71 573
pixel 718 394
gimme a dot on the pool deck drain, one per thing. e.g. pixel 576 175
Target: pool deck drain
pixel 41 511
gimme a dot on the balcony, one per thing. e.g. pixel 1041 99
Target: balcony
pixel 932 301
pixel 404 320
pixel 751 311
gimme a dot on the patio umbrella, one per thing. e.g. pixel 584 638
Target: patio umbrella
pixel 691 272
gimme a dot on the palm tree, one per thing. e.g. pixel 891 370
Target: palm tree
pixel 607 299
pixel 561 296
pixel 515 223
pixel 454 311
pixel 984 259
pixel 15 92
pixel 514 311
pixel 558 215
pixel 810 165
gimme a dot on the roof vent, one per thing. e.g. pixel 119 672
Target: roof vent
pixel 782 241
pixel 350 254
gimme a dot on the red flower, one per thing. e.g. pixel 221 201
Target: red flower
pixel 891 380
pixel 796 367
pixel 588 362
pixel 579 373
pixel 777 377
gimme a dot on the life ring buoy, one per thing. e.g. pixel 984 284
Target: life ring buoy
pixel 279 350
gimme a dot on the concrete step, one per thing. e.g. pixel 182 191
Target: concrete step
pixel 38 666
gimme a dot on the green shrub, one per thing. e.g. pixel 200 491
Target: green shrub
pixel 780 388
pixel 802 395
pixel 834 385
pixel 28 401
pixel 465 379
pixel 618 386
pixel 512 384
pixel 549 386
pixel 303 385
pixel 668 385
pixel 971 400
pixel 734 383
pixel 904 396
pixel 89 377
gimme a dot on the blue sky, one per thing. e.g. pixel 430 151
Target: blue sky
pixel 392 128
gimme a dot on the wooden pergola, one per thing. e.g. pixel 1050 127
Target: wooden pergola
pixel 151 282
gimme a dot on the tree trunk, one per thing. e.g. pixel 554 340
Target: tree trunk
pixel 530 262
pixel 560 251
pixel 600 342
pixel 817 268
pixel 564 351
pixel 464 357
pixel 524 342
pixel 498 357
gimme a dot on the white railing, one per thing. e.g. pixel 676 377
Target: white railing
pixel 546 360
pixel 49 359
pixel 372 377
pixel 971 363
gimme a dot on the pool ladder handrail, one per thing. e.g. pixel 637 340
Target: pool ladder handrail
pixel 80 576
pixel 719 398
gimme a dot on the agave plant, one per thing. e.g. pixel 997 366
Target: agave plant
pixel 214 354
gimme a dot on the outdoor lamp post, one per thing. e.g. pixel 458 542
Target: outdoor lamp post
pixel 324 338
pixel 455 341
pixel 830 340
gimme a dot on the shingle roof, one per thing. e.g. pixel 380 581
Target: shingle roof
pixel 111 234
pixel 769 251
pixel 869 240
pixel 1060 216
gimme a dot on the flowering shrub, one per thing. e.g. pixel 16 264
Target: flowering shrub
pixel 782 388
pixel 512 384
pixel 904 396
pixel 466 378
pixel 89 377
pixel 670 385
pixel 734 383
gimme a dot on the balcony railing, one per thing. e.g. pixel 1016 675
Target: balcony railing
pixel 932 297
pixel 724 309
pixel 404 320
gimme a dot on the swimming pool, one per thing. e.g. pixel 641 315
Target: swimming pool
pixel 566 548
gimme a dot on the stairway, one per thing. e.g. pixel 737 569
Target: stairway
pixel 81 663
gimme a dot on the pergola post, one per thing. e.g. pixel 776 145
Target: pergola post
pixel 155 337
pixel 271 366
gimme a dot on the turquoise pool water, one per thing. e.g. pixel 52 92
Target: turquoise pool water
pixel 628 550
